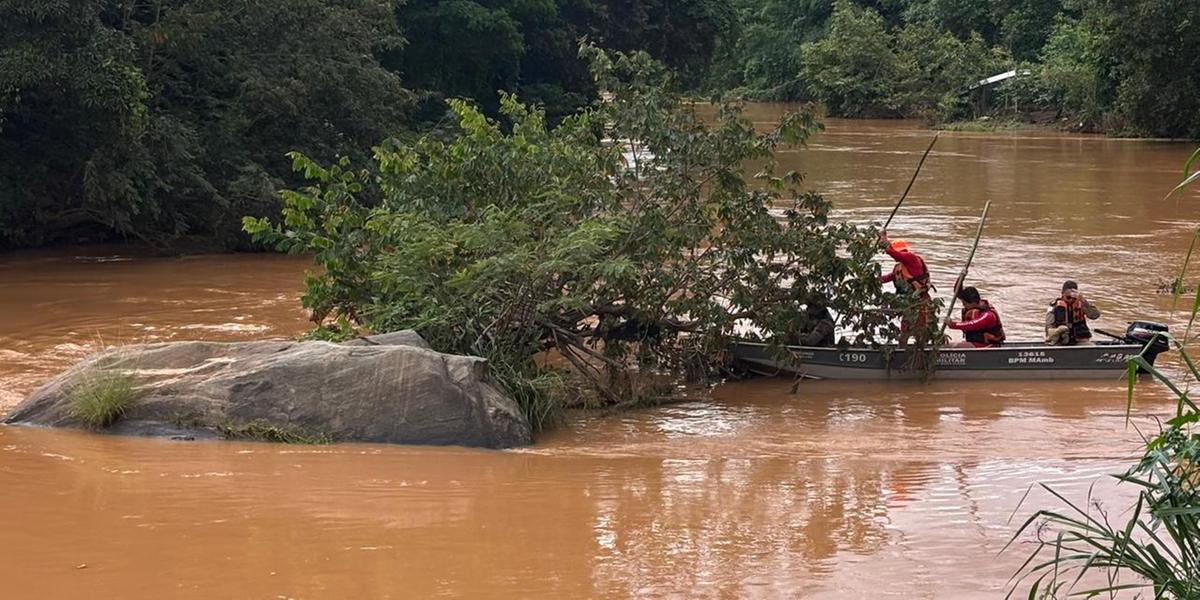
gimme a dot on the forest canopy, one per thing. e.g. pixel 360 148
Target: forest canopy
pixel 1119 66
pixel 166 121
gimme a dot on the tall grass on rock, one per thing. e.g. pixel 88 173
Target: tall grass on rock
pixel 102 398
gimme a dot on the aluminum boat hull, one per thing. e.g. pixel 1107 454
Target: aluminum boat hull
pixel 1031 360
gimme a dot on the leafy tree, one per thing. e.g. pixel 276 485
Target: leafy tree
pixel 460 48
pixel 166 120
pixel 935 68
pixel 251 82
pixel 959 17
pixel 72 102
pixel 1158 69
pixel 854 70
pixel 474 48
pixel 626 237
pixel 1027 25
pixel 1077 70
pixel 681 33
pixel 762 59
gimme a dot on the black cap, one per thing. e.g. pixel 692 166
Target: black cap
pixel 1070 285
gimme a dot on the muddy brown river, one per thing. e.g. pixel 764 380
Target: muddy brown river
pixel 838 491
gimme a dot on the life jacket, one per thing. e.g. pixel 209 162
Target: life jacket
pixel 918 282
pixel 992 336
pixel 1074 317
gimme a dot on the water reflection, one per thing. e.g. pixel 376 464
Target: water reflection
pixel 760 494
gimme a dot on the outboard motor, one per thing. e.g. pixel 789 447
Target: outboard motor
pixel 1143 333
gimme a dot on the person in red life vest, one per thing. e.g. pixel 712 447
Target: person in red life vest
pixel 1066 322
pixel 910 276
pixel 980 322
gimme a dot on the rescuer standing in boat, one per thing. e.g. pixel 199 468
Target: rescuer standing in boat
pixel 1066 322
pixel 980 322
pixel 911 277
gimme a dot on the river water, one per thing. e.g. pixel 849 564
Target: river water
pixel 836 491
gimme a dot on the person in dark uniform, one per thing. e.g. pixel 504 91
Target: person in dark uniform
pixel 818 327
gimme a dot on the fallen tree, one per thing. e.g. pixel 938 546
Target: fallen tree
pixel 627 238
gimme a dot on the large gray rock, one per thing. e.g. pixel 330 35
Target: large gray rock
pixel 388 388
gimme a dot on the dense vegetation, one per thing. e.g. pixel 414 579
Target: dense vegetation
pixel 628 238
pixel 1113 65
pixel 168 120
pixel 165 121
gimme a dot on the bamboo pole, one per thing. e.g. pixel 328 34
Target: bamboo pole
pixel 963 276
pixel 911 182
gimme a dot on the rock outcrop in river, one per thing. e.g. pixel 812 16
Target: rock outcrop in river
pixel 390 388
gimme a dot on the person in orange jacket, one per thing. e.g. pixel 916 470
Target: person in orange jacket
pixel 910 276
pixel 1066 322
pixel 980 322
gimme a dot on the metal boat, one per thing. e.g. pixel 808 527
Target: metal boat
pixel 1015 360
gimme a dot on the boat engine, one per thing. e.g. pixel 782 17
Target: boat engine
pixel 1143 333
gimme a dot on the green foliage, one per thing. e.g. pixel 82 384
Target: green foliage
pixel 1153 44
pixel 101 398
pixel 1026 27
pixel 761 60
pixel 1075 70
pixel 340 330
pixel 1099 64
pixel 961 18
pixel 919 70
pixel 473 49
pixel 683 34
pixel 934 68
pixel 167 120
pixel 854 70
pixel 627 238
pixel 460 48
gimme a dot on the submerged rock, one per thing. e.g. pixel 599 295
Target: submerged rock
pixel 390 388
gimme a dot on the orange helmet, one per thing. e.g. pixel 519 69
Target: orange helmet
pixel 900 246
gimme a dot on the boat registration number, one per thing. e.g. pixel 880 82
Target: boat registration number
pixel 852 357
pixel 1031 358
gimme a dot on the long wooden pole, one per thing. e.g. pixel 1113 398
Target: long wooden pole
pixel 954 300
pixel 911 182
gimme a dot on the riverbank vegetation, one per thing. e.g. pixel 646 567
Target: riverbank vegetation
pixel 163 122
pixel 166 121
pixel 629 240
pixel 1093 65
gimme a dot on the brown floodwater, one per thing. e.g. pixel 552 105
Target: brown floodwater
pixel 840 490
